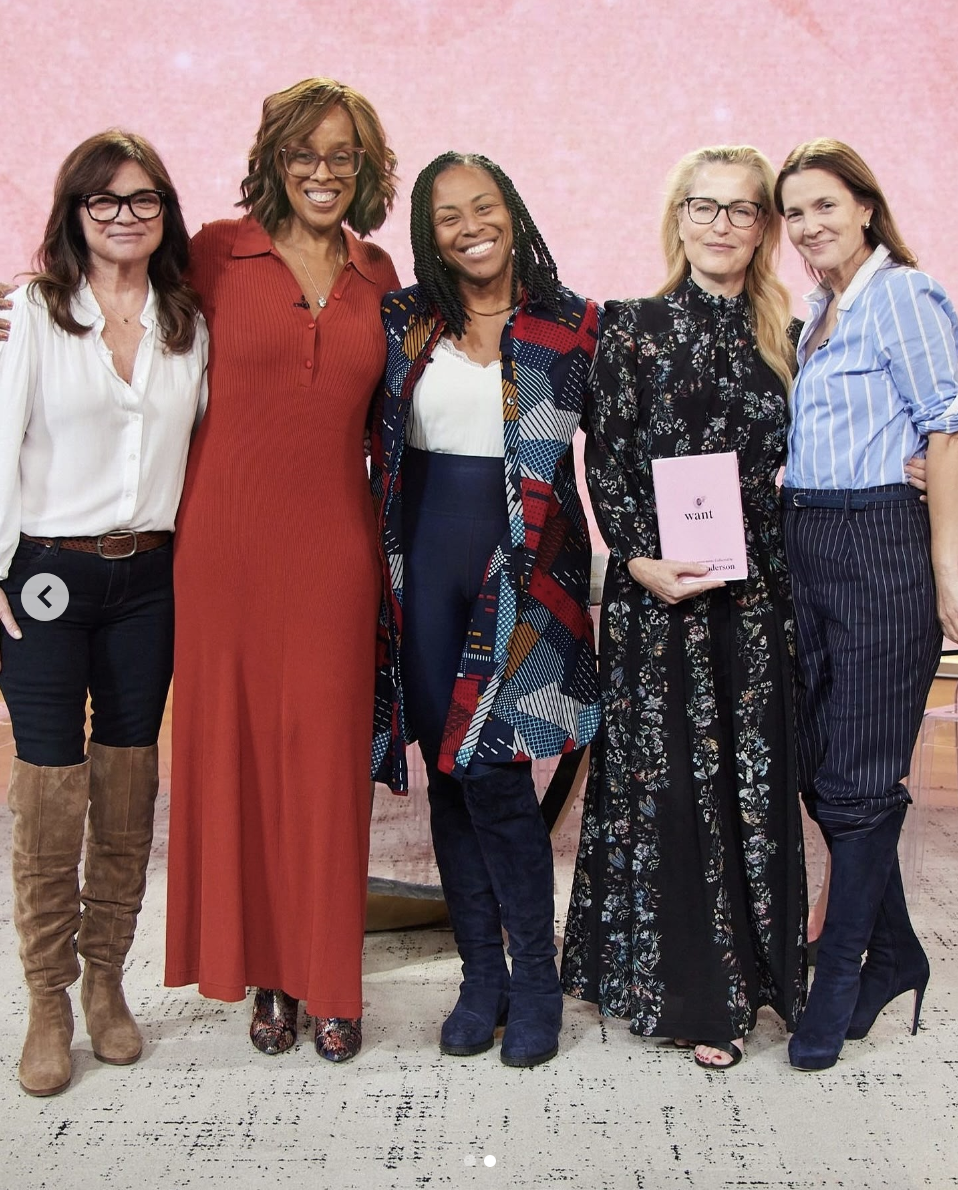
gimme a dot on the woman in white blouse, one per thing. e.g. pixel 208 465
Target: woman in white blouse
pixel 102 382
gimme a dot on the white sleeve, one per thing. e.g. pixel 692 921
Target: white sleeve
pixel 19 376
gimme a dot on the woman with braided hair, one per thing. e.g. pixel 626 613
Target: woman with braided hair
pixel 486 650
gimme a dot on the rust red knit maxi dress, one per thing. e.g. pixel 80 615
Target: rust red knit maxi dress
pixel 277 595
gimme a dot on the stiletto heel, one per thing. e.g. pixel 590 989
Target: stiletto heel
pixel 895 963
pixel 919 996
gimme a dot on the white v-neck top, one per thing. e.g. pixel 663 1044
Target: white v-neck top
pixel 457 406
pixel 81 451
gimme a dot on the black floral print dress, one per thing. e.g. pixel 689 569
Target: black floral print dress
pixel 688 902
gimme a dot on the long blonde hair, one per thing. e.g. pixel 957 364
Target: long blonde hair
pixel 770 301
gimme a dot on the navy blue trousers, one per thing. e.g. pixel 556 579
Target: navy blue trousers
pixel 454 516
pixel 113 642
pixel 868 646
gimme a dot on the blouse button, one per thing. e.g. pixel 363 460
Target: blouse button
pixel 311 327
pixel 309 363
pixel 510 400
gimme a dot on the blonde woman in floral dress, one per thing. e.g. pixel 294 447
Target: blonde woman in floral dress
pixel 687 911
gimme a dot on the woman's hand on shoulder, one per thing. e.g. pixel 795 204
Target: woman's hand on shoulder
pixel 5 304
pixel 672 582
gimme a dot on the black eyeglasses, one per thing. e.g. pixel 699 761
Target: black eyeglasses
pixel 341 163
pixel 104 206
pixel 741 213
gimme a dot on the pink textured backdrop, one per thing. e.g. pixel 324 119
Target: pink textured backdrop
pixel 585 104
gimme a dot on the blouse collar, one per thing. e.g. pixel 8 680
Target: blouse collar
pixel 85 303
pixel 866 270
pixel 703 302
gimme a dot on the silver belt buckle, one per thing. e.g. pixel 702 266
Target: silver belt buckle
pixel 116 533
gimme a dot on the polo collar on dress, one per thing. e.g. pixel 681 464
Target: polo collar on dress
pixel 252 240
pixel 866 271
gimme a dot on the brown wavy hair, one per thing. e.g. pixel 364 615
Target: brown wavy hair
pixel 770 301
pixel 61 261
pixel 289 117
pixel 841 160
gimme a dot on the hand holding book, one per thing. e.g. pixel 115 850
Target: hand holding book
pixel 672 581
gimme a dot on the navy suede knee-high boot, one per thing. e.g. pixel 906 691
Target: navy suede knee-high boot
pixel 476 922
pixel 861 866
pixel 896 961
pixel 518 852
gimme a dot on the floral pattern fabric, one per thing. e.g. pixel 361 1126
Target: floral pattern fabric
pixel 687 909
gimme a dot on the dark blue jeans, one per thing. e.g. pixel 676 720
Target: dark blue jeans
pixel 114 642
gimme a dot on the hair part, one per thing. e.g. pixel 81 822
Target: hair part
pixel 770 301
pixel 841 160
pixel 533 267
pixel 290 117
pixel 62 260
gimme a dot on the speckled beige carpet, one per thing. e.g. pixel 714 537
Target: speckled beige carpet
pixel 203 1110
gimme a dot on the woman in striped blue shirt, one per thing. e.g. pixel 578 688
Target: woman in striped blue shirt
pixel 877 384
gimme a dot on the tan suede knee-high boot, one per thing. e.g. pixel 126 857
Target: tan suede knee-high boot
pixel 123 789
pixel 49 808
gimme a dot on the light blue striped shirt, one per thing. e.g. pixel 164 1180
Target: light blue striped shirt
pixel 865 402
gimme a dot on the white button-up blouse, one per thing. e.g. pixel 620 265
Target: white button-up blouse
pixel 81 451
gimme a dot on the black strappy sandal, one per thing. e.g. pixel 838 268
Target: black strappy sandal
pixel 735 1052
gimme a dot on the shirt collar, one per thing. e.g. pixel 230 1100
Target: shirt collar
pixel 85 302
pixel 866 271
pixel 252 240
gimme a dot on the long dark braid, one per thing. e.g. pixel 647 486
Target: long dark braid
pixel 533 269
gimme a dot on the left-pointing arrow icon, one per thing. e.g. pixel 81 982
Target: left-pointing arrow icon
pixel 44 596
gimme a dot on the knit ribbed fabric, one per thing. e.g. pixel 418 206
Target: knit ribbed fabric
pixel 277 588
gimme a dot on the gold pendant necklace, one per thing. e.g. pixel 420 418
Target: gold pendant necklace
pixel 101 302
pixel 321 298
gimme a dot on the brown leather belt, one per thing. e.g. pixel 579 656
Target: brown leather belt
pixel 121 543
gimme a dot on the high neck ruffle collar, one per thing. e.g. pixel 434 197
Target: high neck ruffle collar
pixel 701 302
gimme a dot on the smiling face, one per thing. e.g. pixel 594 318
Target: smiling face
pixel 472 226
pixel 125 240
pixel 826 223
pixel 718 253
pixel 320 202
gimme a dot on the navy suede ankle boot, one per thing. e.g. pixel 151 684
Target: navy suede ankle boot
pixel 476 922
pixel 518 852
pixel 896 962
pixel 861 866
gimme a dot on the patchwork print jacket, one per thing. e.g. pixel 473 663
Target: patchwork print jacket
pixel 527 684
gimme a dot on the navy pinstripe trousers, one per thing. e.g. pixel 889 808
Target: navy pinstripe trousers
pixel 868 645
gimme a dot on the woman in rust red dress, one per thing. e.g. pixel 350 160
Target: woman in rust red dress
pixel 277 581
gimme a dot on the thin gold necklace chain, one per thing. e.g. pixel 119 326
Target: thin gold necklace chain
pixel 113 310
pixel 321 298
pixel 487 313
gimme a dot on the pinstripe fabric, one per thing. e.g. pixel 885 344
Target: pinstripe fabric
pixel 866 400
pixel 868 645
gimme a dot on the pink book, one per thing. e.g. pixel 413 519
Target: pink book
pixel 698 501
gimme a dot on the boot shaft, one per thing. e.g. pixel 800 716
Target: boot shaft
pixel 49 807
